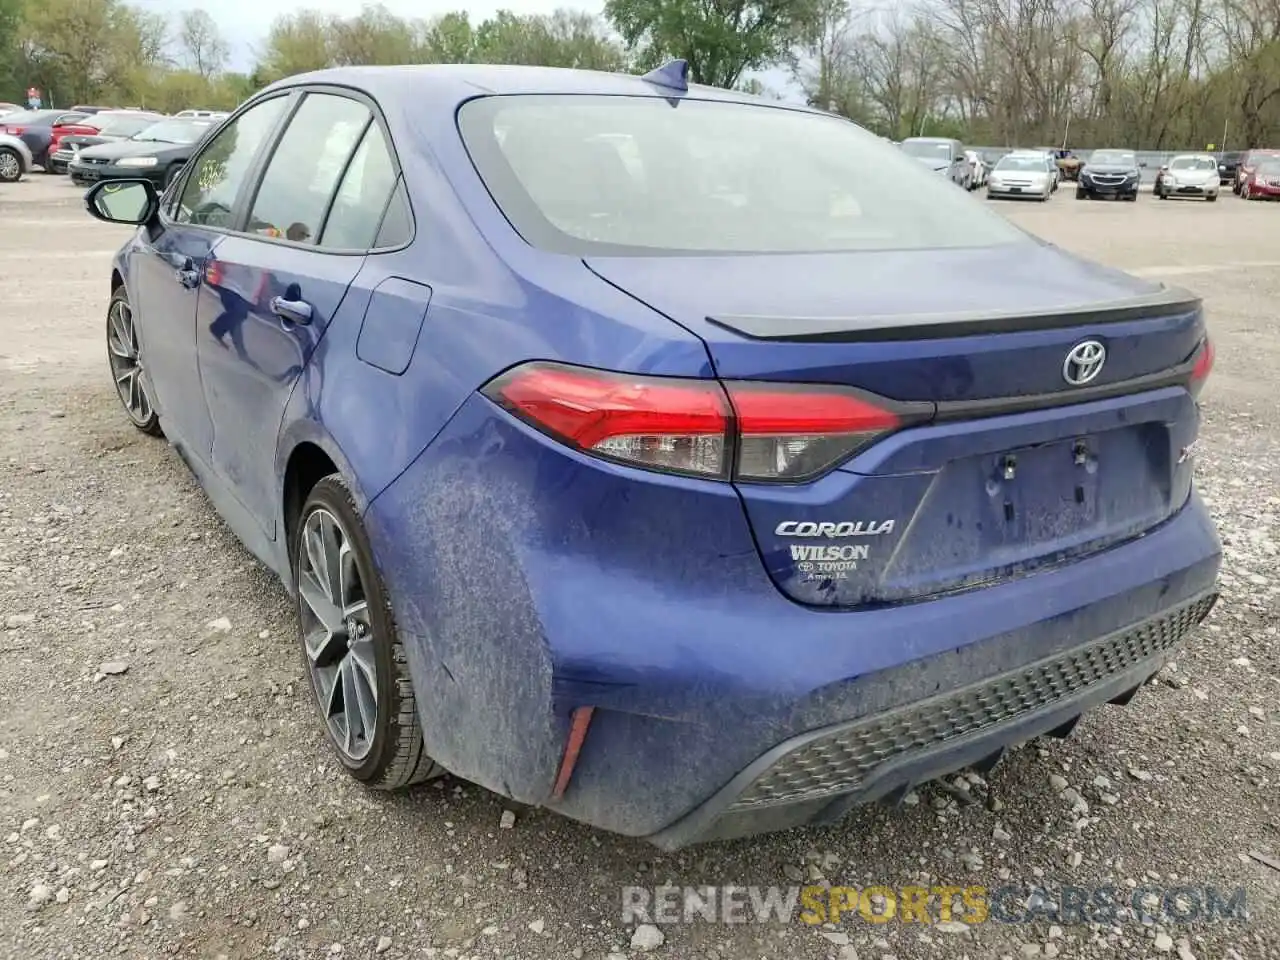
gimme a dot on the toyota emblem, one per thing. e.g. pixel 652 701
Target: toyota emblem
pixel 1084 363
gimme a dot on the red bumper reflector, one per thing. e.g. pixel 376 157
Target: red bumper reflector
pixel 573 746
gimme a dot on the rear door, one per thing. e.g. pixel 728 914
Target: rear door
pixel 271 289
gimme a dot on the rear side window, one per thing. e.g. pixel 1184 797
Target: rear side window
pixel 306 166
pixel 362 196
pixel 634 176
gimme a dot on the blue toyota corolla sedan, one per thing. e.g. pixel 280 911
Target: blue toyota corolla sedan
pixel 689 464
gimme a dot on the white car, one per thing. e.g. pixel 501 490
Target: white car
pixel 1189 175
pixel 1021 174
pixel 978 168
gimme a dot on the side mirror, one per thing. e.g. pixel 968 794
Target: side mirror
pixel 122 201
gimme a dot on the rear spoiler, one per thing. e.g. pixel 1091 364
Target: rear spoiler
pixel 1166 301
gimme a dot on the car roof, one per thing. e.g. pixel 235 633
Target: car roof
pixel 446 85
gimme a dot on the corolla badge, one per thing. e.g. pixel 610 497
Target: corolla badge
pixel 1084 362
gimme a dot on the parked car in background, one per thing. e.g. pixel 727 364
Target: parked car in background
pixel 1248 162
pixel 1263 181
pixel 741 589
pixel 7 108
pixel 200 115
pixel 89 126
pixel 156 153
pixel 1110 173
pixel 110 126
pixel 35 127
pixel 940 154
pixel 1228 165
pixel 1188 175
pixel 977 169
pixel 15 158
pixel 1023 174
pixel 90 110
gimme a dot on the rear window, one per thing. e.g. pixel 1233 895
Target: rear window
pixel 590 175
pixel 119 126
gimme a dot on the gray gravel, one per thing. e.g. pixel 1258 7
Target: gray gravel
pixel 165 790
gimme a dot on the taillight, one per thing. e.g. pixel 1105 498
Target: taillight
pixel 797 432
pixel 16 131
pixel 748 430
pixel 1203 366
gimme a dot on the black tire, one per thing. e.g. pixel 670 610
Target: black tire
pixel 1081 194
pixel 12 172
pixel 1212 197
pixel 397 756
pixel 149 421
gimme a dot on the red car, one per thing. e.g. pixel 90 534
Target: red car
pixel 83 126
pixel 1247 163
pixel 1263 181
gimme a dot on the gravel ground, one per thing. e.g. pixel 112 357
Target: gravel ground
pixel 165 790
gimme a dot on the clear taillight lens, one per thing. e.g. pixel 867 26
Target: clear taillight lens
pixel 765 432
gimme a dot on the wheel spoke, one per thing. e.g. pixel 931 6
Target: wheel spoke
pixel 317 601
pixel 362 655
pixel 354 719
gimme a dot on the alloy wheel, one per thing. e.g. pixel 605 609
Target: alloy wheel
pixel 126 363
pixel 337 634
pixel 10 167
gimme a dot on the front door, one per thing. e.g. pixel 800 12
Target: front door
pixel 170 283
pixel 268 296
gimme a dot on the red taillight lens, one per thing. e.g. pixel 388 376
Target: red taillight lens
pixel 793 433
pixel 775 432
pixel 1204 365
pixel 660 423
pixel 16 131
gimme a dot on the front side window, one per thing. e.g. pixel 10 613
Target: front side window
pixel 209 193
pixel 304 170
pixel 600 175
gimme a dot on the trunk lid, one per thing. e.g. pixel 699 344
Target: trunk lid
pixel 1016 468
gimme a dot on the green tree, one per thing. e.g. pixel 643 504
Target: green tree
pixel 719 38
pixel 297 43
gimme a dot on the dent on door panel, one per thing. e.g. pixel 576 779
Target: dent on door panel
pixel 392 324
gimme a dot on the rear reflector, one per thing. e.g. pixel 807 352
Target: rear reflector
pixel 765 432
pixel 1204 365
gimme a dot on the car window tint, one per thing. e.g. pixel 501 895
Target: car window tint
pixel 598 176
pixel 219 171
pixel 303 171
pixel 397 224
pixel 362 197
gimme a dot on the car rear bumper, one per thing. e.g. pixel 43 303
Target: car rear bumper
pixel 529 582
pixel 821 775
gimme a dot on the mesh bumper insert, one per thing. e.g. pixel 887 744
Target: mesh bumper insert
pixel 840 762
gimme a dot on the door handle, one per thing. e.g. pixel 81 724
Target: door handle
pixel 185 271
pixel 295 311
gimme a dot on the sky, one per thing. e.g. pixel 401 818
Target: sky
pixel 245 23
